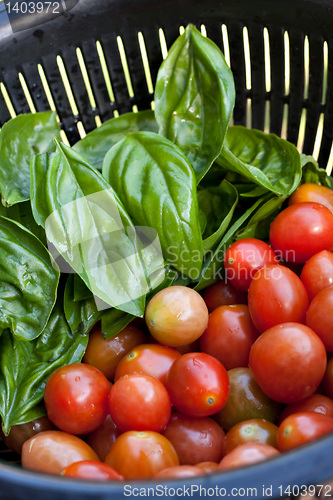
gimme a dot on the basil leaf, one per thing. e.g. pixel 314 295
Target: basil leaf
pixel 88 226
pixel 20 138
pixel 156 184
pixel 81 315
pixel 312 173
pixel 98 142
pixel 114 321
pixel 80 289
pixel 264 159
pixel 28 281
pixel 194 98
pixel 218 204
pixel 26 366
pixel 212 269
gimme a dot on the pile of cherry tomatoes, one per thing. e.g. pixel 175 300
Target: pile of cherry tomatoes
pixel 231 376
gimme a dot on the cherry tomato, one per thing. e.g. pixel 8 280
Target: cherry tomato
pixel 208 467
pixel 198 384
pixel 328 379
pixel 256 430
pixel 195 439
pixel 288 361
pixel 52 451
pixel 76 398
pixel 300 428
pixel 176 316
pixel 138 454
pixel 229 335
pixel 302 230
pixel 139 402
pixel 317 273
pixel 93 470
pixel 22 432
pixel 152 359
pixel 246 401
pixel 244 258
pixel 103 437
pixel 247 454
pixel 312 192
pixel 180 471
pixel 222 293
pixel 318 403
pixel 319 316
pixel 105 354
pixel 276 295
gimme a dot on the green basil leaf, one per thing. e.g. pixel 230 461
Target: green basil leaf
pixel 212 269
pixel 20 138
pixel 81 315
pixel 311 172
pixel 156 184
pixel 28 281
pixel 86 223
pixel 218 204
pixel 80 289
pixel 194 98
pixel 26 366
pixel 114 321
pixel 98 142
pixel 265 159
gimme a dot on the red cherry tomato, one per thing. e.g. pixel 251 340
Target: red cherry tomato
pixel 247 454
pixel 244 258
pixel 103 437
pixel 319 316
pixel 313 192
pixel 139 402
pixel 52 451
pixel 180 471
pixel 152 359
pixel 288 362
pixel 138 455
pixel 93 470
pixel 198 384
pixel 76 398
pixel 229 335
pixel 302 230
pixel 222 293
pixel 195 439
pixel 318 403
pixel 300 428
pixel 317 273
pixel 276 295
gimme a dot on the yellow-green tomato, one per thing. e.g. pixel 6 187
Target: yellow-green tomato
pixel 176 316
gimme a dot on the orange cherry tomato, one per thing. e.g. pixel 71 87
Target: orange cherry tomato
pixel 92 470
pixel 313 192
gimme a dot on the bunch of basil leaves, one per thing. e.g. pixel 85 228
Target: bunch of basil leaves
pixel 180 170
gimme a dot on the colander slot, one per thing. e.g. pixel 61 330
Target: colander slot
pixel 286 42
pixel 146 66
pixel 106 76
pixel 320 128
pixel 268 82
pixel 27 93
pixel 86 79
pixel 302 123
pixel 296 95
pixel 7 110
pixel 163 44
pixel 15 92
pixel 248 77
pixel 258 82
pixel 125 69
pixel 46 87
pixel 326 150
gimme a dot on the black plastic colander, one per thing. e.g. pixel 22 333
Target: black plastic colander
pixel 100 58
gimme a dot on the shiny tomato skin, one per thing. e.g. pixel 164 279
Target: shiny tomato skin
pixel 288 362
pixel 276 295
pixel 244 258
pixel 141 454
pixel 229 335
pixel 22 432
pixel 176 316
pixel 317 402
pixel 246 401
pixel 52 451
pixel 247 454
pixel 222 293
pixel 195 439
pixel 300 428
pixel 319 316
pixel 317 273
pixel 102 438
pixel 198 384
pixel 76 398
pixel 250 431
pixel 152 359
pixel 139 402
pixel 92 470
pixel 179 471
pixel 313 192
pixel 105 354
pixel 302 230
